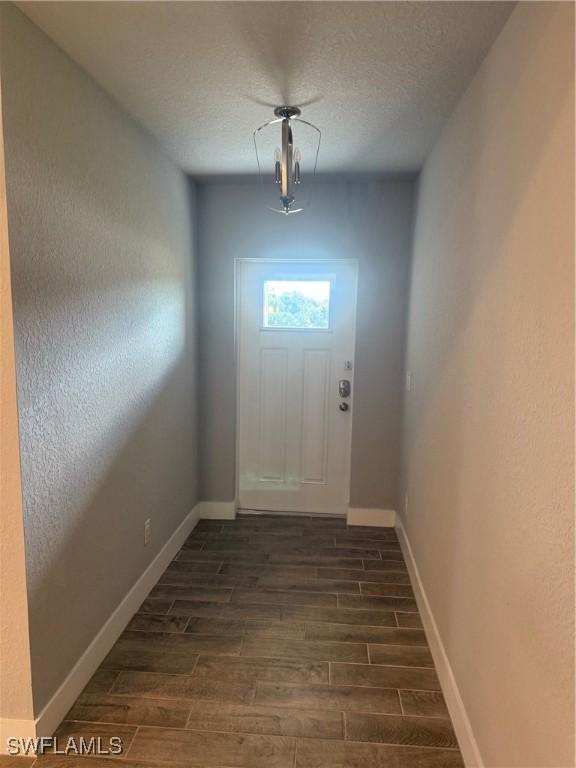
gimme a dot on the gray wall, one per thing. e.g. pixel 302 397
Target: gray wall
pixel 367 220
pixel 102 257
pixel 489 449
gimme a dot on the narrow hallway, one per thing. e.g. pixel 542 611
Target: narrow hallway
pixel 274 642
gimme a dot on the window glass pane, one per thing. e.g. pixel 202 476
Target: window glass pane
pixel 297 304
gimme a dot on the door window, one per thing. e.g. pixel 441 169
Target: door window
pixel 296 304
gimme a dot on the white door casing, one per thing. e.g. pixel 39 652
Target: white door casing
pixel 294 441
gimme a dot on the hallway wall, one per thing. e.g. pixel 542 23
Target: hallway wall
pixel 102 249
pixel 489 454
pixel 367 220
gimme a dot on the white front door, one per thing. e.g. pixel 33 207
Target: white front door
pixel 296 323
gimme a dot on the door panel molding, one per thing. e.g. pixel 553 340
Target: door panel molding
pixel 314 423
pixel 272 414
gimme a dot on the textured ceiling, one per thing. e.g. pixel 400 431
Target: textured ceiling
pixel 378 78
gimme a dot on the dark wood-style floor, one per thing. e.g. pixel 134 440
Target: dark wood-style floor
pixel 272 642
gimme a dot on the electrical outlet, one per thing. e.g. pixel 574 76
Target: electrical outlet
pixel 408 381
pixel 146 532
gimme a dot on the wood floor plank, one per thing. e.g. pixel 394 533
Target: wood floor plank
pixel 282 648
pixel 282 549
pixel 400 655
pixel 338 697
pixel 245 569
pixel 317 561
pixel 340 616
pixel 101 681
pixel 187 592
pixel 213 750
pixel 328 522
pixel 409 620
pixel 346 633
pixel 384 565
pixel 212 525
pixel 155 605
pixel 193 579
pixel 209 626
pixel 195 566
pixel 377 531
pixel 127 710
pixel 358 574
pixel 273 721
pixel 423 703
pixel 406 604
pixel 280 529
pixel 221 555
pixel 392 552
pixel 104 732
pixel 249 669
pixel 316 753
pixel 192 543
pixel 185 643
pixel 386 590
pixel 257 629
pixel 149 661
pixel 353 543
pixel 245 529
pixel 151 622
pixel 340 552
pixel 347 533
pixel 17 761
pixel 226 611
pixel 308 585
pixel 181 687
pixel 395 729
pixel 70 761
pixel 266 520
pixel 210 535
pixel 384 677
pixel 278 597
pixel 271 543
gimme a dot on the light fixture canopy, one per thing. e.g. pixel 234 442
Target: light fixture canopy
pixel 293 152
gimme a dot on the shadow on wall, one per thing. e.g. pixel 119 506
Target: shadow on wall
pixel 108 424
pixel 94 551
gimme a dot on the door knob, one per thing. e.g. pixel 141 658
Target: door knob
pixel 344 406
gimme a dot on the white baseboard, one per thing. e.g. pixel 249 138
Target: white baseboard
pixel 217 510
pixel 56 709
pixel 384 518
pixel 462 726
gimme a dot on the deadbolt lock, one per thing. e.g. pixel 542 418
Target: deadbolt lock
pixel 344 388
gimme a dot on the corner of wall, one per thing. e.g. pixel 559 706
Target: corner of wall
pixel 16 705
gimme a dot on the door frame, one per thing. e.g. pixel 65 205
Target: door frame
pixel 238 262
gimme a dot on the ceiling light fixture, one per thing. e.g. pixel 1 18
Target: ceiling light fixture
pixel 294 161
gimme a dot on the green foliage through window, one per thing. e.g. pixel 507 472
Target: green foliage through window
pixel 288 304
